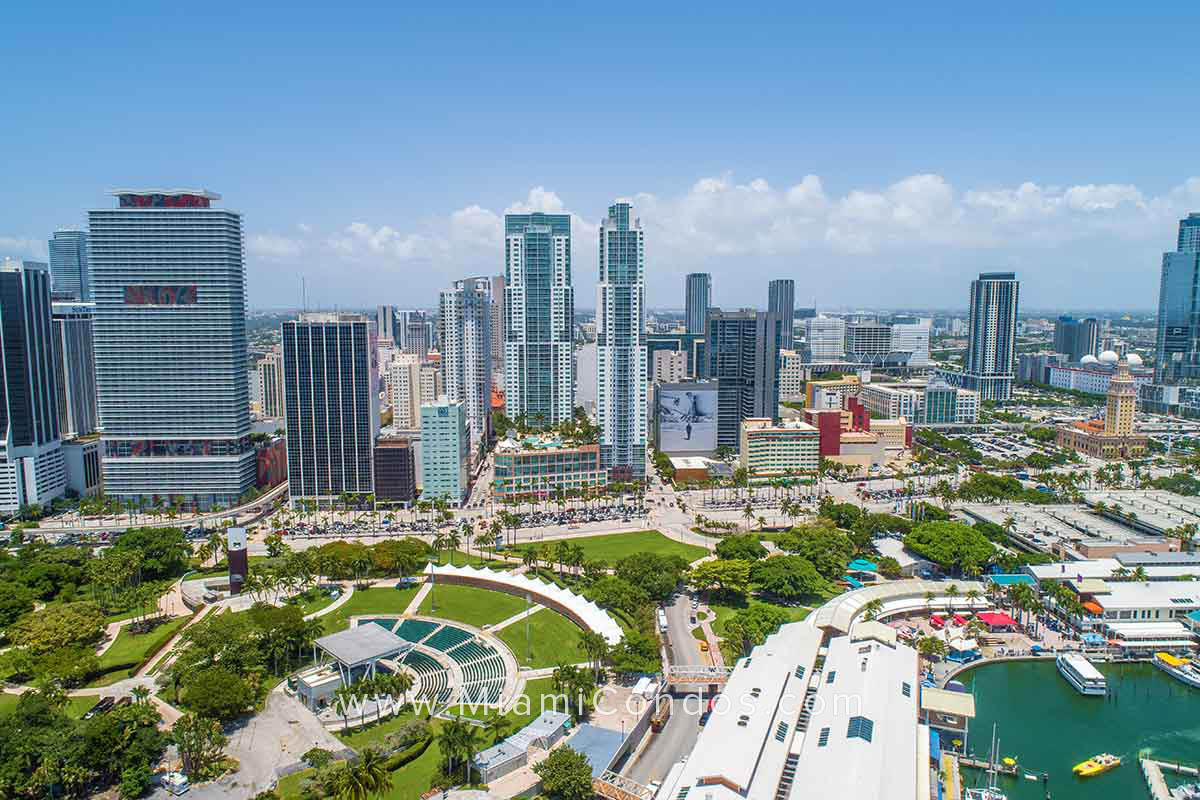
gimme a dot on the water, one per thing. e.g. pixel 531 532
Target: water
pixel 1049 727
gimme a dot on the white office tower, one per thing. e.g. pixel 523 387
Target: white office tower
pixel 32 470
pixel 330 407
pixel 621 344
pixel 539 307
pixel 912 338
pixel 465 323
pixel 169 281
pixel 411 384
pixel 69 277
pixel 75 367
pixel 825 338
pixel 414 332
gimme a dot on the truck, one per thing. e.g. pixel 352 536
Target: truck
pixel 662 713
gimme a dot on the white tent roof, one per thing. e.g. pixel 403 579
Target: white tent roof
pixel 594 617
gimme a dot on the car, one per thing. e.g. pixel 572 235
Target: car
pixel 703 647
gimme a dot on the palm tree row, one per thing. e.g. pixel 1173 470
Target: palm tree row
pixel 375 688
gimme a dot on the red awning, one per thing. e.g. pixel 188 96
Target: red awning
pixel 995 619
pixel 1094 607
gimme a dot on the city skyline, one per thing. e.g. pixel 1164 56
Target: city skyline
pixel 980 173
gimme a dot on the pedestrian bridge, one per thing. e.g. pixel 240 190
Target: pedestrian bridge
pixel 697 673
pixel 616 787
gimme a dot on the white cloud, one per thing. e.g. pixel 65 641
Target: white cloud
pixel 273 246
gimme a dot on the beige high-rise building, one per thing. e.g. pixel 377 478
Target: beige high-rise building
pixel 1111 438
pixel 670 366
pixel 411 384
pixel 270 373
pixel 1122 402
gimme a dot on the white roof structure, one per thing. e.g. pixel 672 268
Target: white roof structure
pixel 362 644
pixel 1149 630
pixel 1128 596
pixel 840 613
pixel 584 611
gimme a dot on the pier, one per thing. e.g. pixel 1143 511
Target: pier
pixel 1153 770
pixel 979 763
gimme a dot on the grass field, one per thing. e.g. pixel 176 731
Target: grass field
pixel 613 547
pixel 468 604
pixel 369 601
pixel 132 648
pixel 553 640
pixel 460 558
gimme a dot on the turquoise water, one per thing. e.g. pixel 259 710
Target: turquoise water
pixel 1049 727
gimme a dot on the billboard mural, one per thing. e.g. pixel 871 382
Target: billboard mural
pixel 687 418
pixel 160 295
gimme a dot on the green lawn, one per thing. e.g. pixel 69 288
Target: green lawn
pixel 314 600
pixel 76 706
pixel 131 648
pixel 553 640
pixel 369 601
pixel 613 547
pixel 468 604
pixel 373 733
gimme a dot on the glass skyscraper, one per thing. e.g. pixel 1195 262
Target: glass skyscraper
pixel 539 310
pixel 621 344
pixel 1177 342
pixel 75 367
pixel 69 275
pixel 992 328
pixel 697 300
pixel 781 301
pixel 169 282
pixel 465 324
pixel 330 406
pixel 742 348
pixel 32 470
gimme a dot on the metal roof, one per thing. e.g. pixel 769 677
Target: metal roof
pixel 361 644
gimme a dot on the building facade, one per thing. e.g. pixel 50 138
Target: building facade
pixel 411 384
pixel 385 324
pixel 743 357
pixel 69 275
pixel 545 468
pixel 539 309
pixel 31 462
pixel 1076 338
pixel 690 344
pixel 791 375
pixel 75 367
pixel 621 343
pixel 330 407
pixel 913 339
pixel 781 301
pixel 1177 340
pixel 825 338
pixel 992 332
pixel 395 471
pixel 1112 438
pixel 944 404
pixel 270 373
pixel 670 366
pixel 697 300
pixel 466 337
pixel 416 332
pixel 891 402
pixel 169 281
pixel 498 335
pixel 768 449
pixel 445 451
pixel 83 468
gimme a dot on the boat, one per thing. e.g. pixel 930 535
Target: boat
pixel 991 791
pixel 1181 669
pixel 1080 673
pixel 1096 765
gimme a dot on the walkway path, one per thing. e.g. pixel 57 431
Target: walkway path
pixel 504 623
pixel 414 607
pixel 347 593
pixel 163 656
pixel 546 672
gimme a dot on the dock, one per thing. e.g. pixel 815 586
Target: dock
pixel 1153 771
pixel 979 763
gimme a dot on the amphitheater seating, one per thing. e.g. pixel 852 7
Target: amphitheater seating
pixel 434 677
pixel 414 630
pixel 447 637
pixel 385 622
pixel 470 651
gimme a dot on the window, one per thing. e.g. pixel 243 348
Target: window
pixel 860 727
pixel 781 731
pixel 823 738
pixel 906 689
pixel 800 671
pixel 829 678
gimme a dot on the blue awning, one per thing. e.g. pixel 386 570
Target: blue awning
pixel 855 583
pixel 862 565
pixel 935 745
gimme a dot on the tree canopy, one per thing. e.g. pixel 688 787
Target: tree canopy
pixel 787 576
pixel 952 545
pixel 565 774
pixel 822 545
pixel 747 548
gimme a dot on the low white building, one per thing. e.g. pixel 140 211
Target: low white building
pixel 891 402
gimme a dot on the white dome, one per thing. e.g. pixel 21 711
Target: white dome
pixel 1109 357
pixel 1088 359
pixel 1134 360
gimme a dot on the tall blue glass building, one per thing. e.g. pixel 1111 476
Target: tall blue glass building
pixel 539 318
pixel 69 275
pixel 697 300
pixel 1177 343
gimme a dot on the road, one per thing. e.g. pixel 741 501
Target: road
pixel 679 735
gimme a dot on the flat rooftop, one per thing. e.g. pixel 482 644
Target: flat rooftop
pixel 361 644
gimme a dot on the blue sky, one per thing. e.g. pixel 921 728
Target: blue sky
pixel 879 155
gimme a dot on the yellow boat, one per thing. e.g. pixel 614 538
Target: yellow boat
pixel 1096 765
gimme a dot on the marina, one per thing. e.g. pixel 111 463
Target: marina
pixel 1050 728
pixel 1181 669
pixel 1081 674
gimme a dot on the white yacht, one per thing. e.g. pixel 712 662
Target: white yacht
pixel 1080 673
pixel 1179 668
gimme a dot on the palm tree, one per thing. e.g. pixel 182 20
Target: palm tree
pixel 595 647
pixel 748 515
pixel 529 557
pixel 373 772
pixel 402 682
pixel 951 593
pixel 497 726
pixel 872 608
pixel 140 694
pixel 343 698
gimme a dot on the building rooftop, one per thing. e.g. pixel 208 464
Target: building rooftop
pixel 205 193
pixel 1126 595
pixel 361 644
